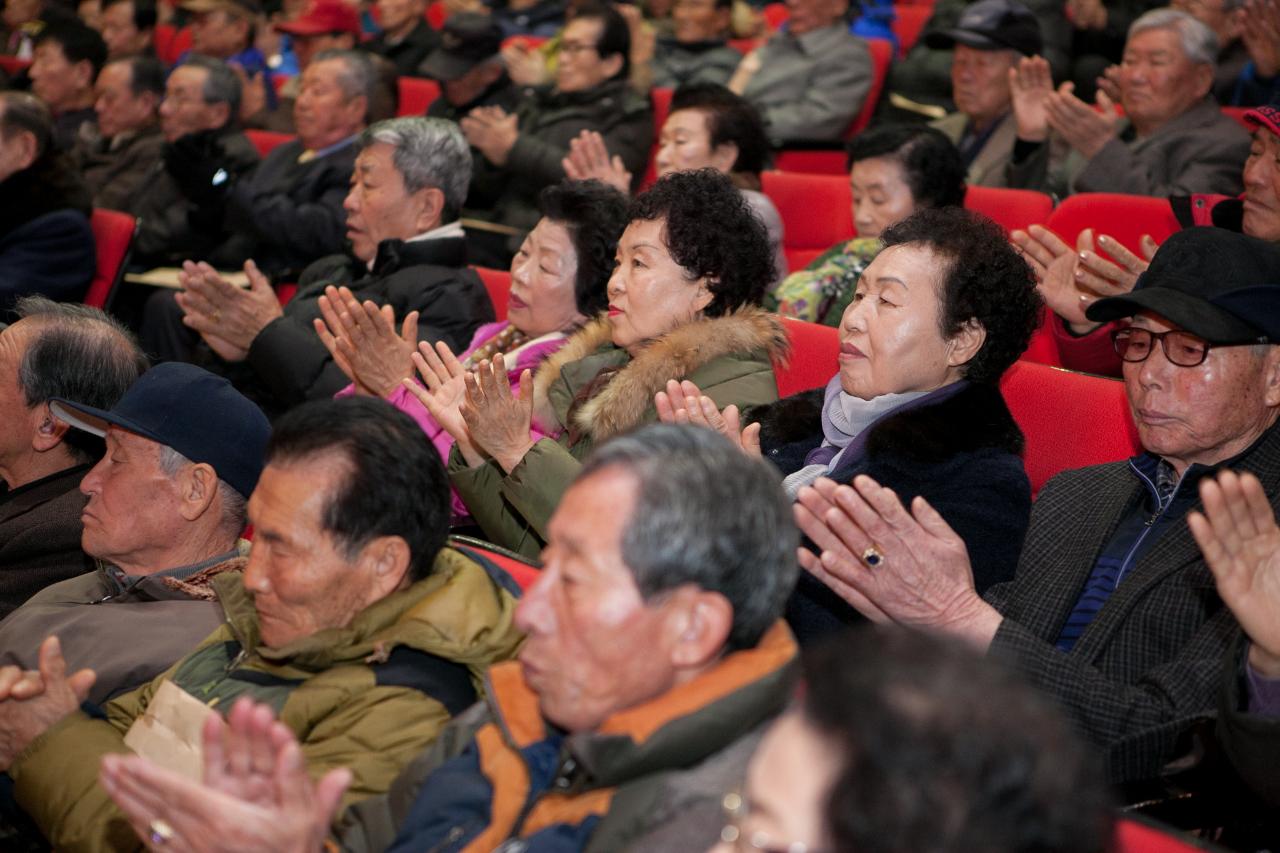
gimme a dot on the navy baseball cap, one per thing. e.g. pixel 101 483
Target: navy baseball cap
pixel 1190 275
pixel 185 407
pixel 992 25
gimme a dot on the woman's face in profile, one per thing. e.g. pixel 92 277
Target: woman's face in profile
pixel 781 803
pixel 685 144
pixel 881 195
pixel 890 340
pixel 543 274
pixel 649 293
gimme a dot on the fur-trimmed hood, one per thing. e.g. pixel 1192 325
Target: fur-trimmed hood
pixel 972 419
pixel 626 400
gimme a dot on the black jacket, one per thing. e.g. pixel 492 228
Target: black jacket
pixel 408 53
pixel 427 276
pixel 285 214
pixel 962 454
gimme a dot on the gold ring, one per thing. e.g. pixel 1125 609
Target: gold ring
pixel 872 557
pixel 217 315
pixel 161 831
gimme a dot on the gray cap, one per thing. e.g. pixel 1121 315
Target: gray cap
pixel 992 25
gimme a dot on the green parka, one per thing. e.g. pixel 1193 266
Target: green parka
pixel 729 358
pixel 362 697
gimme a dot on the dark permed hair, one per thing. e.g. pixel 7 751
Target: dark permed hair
pixel 595 215
pixel 934 170
pixel 713 233
pixel 986 280
pixel 731 119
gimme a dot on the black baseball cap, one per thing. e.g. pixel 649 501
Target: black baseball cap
pixel 992 25
pixel 1192 274
pixel 185 407
pixel 467 39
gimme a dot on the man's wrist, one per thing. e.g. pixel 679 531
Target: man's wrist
pixel 1264 663
pixel 973 621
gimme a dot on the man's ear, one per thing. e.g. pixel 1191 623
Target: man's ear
pixel 699 623
pixel 385 564
pixel 84 74
pixel 612 65
pixel 1271 376
pixel 432 201
pixel 199 485
pixel 47 431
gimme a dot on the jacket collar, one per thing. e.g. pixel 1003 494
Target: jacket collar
pixel 395 255
pixel 685 724
pixel 626 400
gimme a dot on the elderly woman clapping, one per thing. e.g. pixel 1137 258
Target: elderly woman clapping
pixel 558 279
pixel 692 266
pixel 936 319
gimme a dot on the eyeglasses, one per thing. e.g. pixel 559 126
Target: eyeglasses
pixel 1181 348
pixel 576 47
pixel 735 812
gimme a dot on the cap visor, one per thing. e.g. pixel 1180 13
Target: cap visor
pixel 1192 313
pixel 950 38
pixel 95 421
pixel 445 66
pixel 301 28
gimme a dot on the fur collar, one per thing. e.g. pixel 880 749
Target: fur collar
pixel 971 420
pixel 198 586
pixel 624 402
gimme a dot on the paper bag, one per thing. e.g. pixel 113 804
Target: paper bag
pixel 169 732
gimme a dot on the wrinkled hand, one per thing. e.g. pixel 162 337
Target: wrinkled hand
pixel 34 705
pixel 742 75
pixel 924 579
pixel 226 316
pixel 1102 277
pixel 1261 35
pixel 444 394
pixel 1238 535
pixel 253 92
pixel 499 421
pixel 589 159
pixel 1084 128
pixel 256 793
pixel 491 132
pixel 1030 85
pixel 684 403
pixel 362 339
pixel 1109 82
pixel 526 66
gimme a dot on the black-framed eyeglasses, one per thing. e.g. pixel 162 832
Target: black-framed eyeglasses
pixel 1180 347
pixel 576 47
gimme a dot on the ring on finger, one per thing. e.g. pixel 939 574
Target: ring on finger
pixel 159 831
pixel 872 557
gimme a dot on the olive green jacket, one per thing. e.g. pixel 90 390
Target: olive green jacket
pixel 369 697
pixel 728 357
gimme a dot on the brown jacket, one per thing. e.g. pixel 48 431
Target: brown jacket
pixel 126 637
pixel 40 536
pixel 117 170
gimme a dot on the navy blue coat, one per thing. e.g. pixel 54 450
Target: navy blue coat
pixel 963 454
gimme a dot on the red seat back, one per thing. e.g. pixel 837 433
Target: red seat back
pixel 498 283
pixel 112 239
pixel 1013 209
pixel 815 211
pixel 529 42
pixel 266 141
pixel 437 13
pixel 13 66
pixel 776 14
pixel 1135 837
pixel 416 94
pixel 171 42
pixel 908 21
pixel 881 56
pixel 745 46
pixel 1124 217
pixel 661 100
pixel 1237 113
pixel 1070 420
pixel 813 357
pixel 818 162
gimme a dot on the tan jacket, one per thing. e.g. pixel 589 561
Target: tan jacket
pixel 990 167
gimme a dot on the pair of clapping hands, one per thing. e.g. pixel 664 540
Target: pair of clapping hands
pixel 476 407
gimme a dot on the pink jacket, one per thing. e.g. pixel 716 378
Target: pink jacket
pixel 528 357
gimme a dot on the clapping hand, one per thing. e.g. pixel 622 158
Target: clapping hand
pixel 588 159
pixel 31 702
pixel 444 394
pixel 1238 535
pixel 499 421
pixel 363 342
pixel 226 316
pixel 1030 85
pixel 1085 128
pixel 684 403
pixel 492 132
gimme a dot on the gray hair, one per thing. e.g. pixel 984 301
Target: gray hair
pixel 429 152
pixel 77 353
pixel 1199 43
pixel 26 112
pixel 221 85
pixel 706 515
pixel 358 76
pixel 234 504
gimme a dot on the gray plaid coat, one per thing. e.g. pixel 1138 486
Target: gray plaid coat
pixel 1151 663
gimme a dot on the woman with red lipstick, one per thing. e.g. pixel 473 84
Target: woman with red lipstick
pixel 691 268
pixel 558 279
pixel 936 319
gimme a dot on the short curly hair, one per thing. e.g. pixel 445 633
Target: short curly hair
pixel 594 214
pixel 712 232
pixel 934 170
pixel 986 280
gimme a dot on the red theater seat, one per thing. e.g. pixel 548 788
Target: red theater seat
pixel 815 211
pixel 1013 209
pixel 1070 419
pixel 498 283
pixel 266 141
pixel 416 94
pixel 1135 837
pixel 813 357
pixel 881 57
pixel 1124 217
pixel 112 238
pixel 908 21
